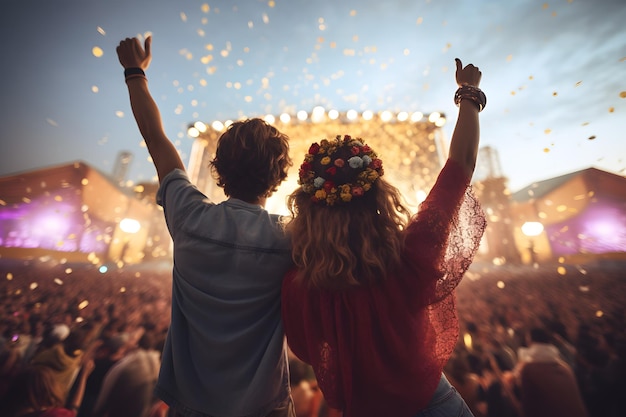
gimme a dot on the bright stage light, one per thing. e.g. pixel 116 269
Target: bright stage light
pixel 200 126
pixel 130 225
pixel 532 229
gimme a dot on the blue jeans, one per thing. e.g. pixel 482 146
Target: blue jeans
pixel 446 402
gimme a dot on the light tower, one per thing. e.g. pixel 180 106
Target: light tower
pixel 122 163
pixel 495 198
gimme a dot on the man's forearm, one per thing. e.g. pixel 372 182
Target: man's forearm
pixel 148 118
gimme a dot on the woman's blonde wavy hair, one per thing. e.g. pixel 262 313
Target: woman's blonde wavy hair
pixel 342 246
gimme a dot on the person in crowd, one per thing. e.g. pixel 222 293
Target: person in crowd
pixel 225 353
pixel 307 398
pixel 370 303
pixel 467 383
pixel 111 350
pixel 546 385
pixel 65 357
pixel 127 389
pixel 36 391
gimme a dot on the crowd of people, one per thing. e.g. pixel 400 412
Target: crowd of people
pixel 73 337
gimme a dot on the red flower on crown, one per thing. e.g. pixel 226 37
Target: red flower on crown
pixel 314 149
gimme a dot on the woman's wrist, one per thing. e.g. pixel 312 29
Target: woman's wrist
pixel 470 93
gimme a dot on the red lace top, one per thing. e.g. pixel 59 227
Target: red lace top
pixel 379 350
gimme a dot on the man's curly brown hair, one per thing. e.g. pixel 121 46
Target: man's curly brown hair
pixel 251 160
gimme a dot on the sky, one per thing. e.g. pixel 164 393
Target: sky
pixel 554 73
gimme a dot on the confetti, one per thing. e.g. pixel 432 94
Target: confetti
pixel 97 51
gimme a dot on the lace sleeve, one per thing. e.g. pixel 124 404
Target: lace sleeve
pixel 444 236
pixel 463 240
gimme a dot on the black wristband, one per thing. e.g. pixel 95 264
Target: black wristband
pixel 133 71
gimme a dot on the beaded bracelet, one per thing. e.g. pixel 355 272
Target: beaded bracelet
pixel 471 93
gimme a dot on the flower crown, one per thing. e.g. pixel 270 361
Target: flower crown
pixel 339 170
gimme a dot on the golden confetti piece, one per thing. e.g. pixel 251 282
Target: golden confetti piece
pixel 353 12
pixel 58 281
pixel 599 313
pixel 119 114
pixel 544 6
pixel 419 21
pixel 513 93
pixel 183 16
pixel 592 137
pixel 561 260
pixel 52 122
pixel 554 94
pixel 546 150
pixel 547 131
pixel 622 94
pixel 561 270
pixel 97 51
pixel 578 84
pixel 9 276
pixel 271 3
pixel 205 8
pixel 500 284
pixel 83 304
pixel 585 124
pixel 94 89
pixel 509 58
pixel 101 31
pixel 611 109
pixel 33 285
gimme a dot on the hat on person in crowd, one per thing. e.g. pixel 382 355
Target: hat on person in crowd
pixel 60 332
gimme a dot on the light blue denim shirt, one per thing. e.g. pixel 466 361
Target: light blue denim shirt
pixel 225 352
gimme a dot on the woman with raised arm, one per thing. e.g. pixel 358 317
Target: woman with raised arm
pixel 370 304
